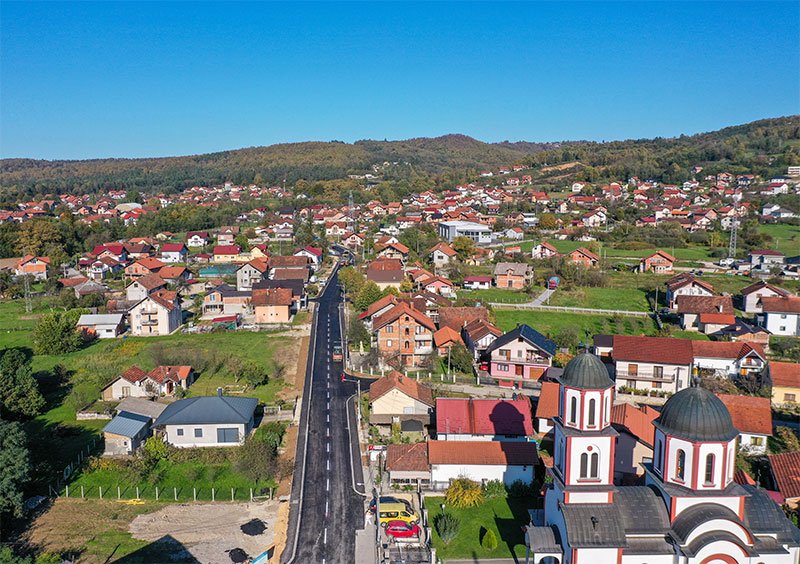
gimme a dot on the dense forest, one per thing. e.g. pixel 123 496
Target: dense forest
pixel 764 147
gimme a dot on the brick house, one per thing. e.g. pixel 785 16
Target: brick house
pixel 659 262
pixel 404 333
pixel 584 257
pixel 513 275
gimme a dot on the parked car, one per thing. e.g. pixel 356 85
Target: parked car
pixel 396 512
pixel 388 499
pixel 336 356
pixel 402 530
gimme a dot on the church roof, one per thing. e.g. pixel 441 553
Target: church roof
pixel 586 371
pixel 594 525
pixel 695 414
pixel 642 510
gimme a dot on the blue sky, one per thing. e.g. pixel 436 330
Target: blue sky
pixel 89 80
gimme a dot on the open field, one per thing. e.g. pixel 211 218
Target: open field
pixel 505 516
pixel 551 323
pixel 786 238
pixel 498 295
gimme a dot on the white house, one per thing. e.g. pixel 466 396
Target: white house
pixel 478 232
pixel 197 238
pixel 481 461
pixel 158 314
pixel 752 417
pixel 477 282
pixel 781 315
pixel 751 295
pixel 652 363
pixel 441 254
pixel 207 421
pixel 103 326
pixel 174 252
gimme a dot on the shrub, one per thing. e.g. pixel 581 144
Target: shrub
pixel 493 489
pixel 446 525
pixel 256 460
pixel 464 492
pixel 489 540
pixel 520 489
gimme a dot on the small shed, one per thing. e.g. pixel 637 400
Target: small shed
pixel 125 433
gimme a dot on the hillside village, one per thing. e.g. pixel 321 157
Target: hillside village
pixel 465 308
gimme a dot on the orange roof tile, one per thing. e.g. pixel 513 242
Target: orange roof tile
pixel 409 386
pixel 750 414
pixel 482 453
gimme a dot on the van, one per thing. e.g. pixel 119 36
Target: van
pixel 396 512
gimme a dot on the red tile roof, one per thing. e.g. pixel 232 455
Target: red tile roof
pixel 151 281
pixel 482 453
pixel 400 309
pixel 407 458
pixel 471 416
pixel 444 248
pixel 446 336
pixel 717 318
pixel 705 304
pixel 786 469
pixel 750 414
pixel 378 305
pixel 134 374
pixel 785 374
pixel 458 317
pixel 226 250
pixel 638 421
pixel 773 304
pixel 175 373
pixel 272 297
pixel 547 406
pixel 409 386
pixel 665 350
pixel 725 349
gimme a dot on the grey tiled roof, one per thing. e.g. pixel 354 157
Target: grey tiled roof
pixel 141 406
pixel 529 334
pixel 127 424
pixel 689 519
pixel 544 539
pixel 703 540
pixel 642 510
pixel 208 410
pixel 764 517
pixel 594 525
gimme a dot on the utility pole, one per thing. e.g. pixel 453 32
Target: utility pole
pixel 28 304
pixel 732 244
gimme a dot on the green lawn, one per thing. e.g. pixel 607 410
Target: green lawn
pixel 630 299
pixel 551 323
pixel 689 253
pixel 498 295
pixel 786 238
pixel 504 516
pixel 16 325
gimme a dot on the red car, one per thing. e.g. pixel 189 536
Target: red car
pixel 402 530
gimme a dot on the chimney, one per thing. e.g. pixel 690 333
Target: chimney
pixel 719 308
pixel 219 392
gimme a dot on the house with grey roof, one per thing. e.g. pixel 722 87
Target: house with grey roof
pixel 207 421
pixel 103 326
pixel 125 433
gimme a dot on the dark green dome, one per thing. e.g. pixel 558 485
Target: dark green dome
pixel 695 414
pixel 586 371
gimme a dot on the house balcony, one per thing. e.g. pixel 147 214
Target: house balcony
pixel 644 375
pixel 149 322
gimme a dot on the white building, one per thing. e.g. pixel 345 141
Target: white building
pixel 449 230
pixel 103 326
pixel 481 461
pixel 781 316
pixel 207 421
pixel 689 512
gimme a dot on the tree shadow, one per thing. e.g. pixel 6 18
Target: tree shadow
pixel 165 549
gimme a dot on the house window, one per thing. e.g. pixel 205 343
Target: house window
pixel 126 391
pixel 198 433
pixel 710 469
pixel 407 345
pixel 407 331
pixel 789 397
pixel 502 367
pixel 590 465
pixel 756 441
pixel 389 343
pixel 573 409
pixel 658 454
pixel 230 435
pixel 656 385
pixel 658 372
pixel 680 465
pixel 592 404
pixel 389 329
pixel 179 432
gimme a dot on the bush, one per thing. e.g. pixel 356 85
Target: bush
pixel 520 489
pixel 464 492
pixel 489 540
pixel 493 489
pixel 446 525
pixel 256 460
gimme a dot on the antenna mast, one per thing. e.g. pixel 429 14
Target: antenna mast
pixel 732 244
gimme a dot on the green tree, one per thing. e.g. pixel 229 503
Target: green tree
pixel 15 468
pixel 256 459
pixel 489 540
pixel 548 221
pixel 367 295
pixel 19 392
pixel 463 493
pixel 351 280
pixel 56 334
pixel 461 358
pixel 447 526
pixel 357 333
pixel 464 246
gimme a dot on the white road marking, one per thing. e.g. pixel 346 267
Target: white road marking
pixel 327 484
pixel 328 446
pixel 326 508
pixel 328 464
pixel 325 537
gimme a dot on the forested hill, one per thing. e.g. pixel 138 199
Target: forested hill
pixel 766 145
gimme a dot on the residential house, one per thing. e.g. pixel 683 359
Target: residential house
pixel 514 233
pixel 174 274
pixel 547 406
pixel 483 462
pixel 224 300
pixel 386 273
pixel 474 419
pixel 522 354
pixel 752 417
pixel 659 262
pixel 404 334
pixel 441 254
pixel 143 267
pixel 544 250
pixel 478 232
pixel 299 298
pixel 445 339
pixel 438 285
pixel 781 315
pixel 652 363
pixel 197 238
pixel 635 441
pixel 785 377
pixel 174 253
pixel 227 235
pixel 478 335
pixel 273 305
pixel 102 326
pixel 752 294
pixel 727 358
pixel 699 312
pixel 143 286
pixel 136 383
pixel 377 308
pixel 251 273
pixel 314 255
pixel 226 253
pixel 513 275
pixel 765 261
pixel 477 282
pixel 125 433
pixel 744 332
pixel 685 284
pixel 785 470
pixel 157 314
pixel 584 257
pixel 30 265
pixel 207 421
pixel 395 399
pixel 396 251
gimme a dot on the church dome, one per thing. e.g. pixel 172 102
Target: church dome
pixel 586 371
pixel 695 414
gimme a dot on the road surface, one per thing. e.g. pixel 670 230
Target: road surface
pixel 326 509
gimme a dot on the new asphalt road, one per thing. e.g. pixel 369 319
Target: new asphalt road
pixel 326 508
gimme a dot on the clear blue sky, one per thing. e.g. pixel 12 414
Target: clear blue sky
pixel 91 80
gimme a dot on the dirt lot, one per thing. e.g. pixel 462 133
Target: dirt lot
pixel 107 531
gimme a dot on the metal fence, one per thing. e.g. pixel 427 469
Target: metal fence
pixel 129 493
pixel 567 309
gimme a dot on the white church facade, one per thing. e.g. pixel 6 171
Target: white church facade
pixel 690 511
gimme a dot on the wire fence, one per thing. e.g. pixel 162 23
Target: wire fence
pixel 149 492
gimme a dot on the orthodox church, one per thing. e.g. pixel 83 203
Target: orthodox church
pixel 690 511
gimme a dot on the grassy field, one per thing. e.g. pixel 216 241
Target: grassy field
pixel 691 253
pixel 504 516
pixel 630 299
pixel 786 238
pixel 498 295
pixel 552 323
